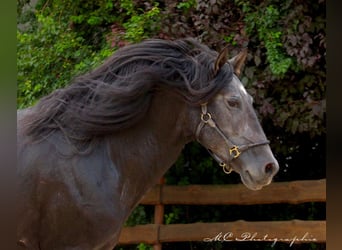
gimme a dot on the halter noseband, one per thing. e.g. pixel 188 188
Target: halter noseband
pixel 234 150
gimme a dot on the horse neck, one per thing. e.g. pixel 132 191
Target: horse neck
pixel 143 153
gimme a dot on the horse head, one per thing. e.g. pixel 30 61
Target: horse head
pixel 230 130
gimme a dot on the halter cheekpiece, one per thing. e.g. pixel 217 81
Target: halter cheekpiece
pixel 234 150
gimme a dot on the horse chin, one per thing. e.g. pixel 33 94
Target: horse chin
pixel 248 181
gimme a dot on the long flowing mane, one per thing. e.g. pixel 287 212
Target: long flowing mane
pixel 117 94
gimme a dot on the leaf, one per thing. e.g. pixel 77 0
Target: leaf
pixel 257 60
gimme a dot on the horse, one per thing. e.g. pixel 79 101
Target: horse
pixel 88 152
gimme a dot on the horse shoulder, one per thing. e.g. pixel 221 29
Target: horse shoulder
pixel 65 194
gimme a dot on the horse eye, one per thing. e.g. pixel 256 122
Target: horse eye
pixel 233 102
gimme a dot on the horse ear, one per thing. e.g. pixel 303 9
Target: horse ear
pixel 221 60
pixel 238 61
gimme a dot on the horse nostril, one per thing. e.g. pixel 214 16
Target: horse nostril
pixel 270 168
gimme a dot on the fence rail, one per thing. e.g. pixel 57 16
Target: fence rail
pixel 294 192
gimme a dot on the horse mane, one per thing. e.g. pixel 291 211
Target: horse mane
pixel 117 94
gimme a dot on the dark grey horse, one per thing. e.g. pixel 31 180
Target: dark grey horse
pixel 88 153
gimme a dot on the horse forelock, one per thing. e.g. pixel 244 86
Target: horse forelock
pixel 117 94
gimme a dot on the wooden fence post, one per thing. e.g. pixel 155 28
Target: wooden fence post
pixel 159 213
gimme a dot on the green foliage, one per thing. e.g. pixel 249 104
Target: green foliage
pixel 229 39
pixel 49 56
pixel 89 18
pixel 172 216
pixel 141 24
pixel 143 246
pixel 140 246
pixel 269 32
pixel 138 216
pixel 186 5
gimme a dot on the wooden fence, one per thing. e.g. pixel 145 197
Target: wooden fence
pixel 293 231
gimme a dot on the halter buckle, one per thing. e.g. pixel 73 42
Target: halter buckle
pixel 234 151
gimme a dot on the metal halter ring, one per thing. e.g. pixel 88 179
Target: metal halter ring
pixel 234 151
pixel 205 117
pixel 226 168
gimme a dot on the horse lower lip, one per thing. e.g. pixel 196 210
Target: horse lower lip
pixel 248 181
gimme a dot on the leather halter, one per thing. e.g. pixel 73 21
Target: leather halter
pixel 234 150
